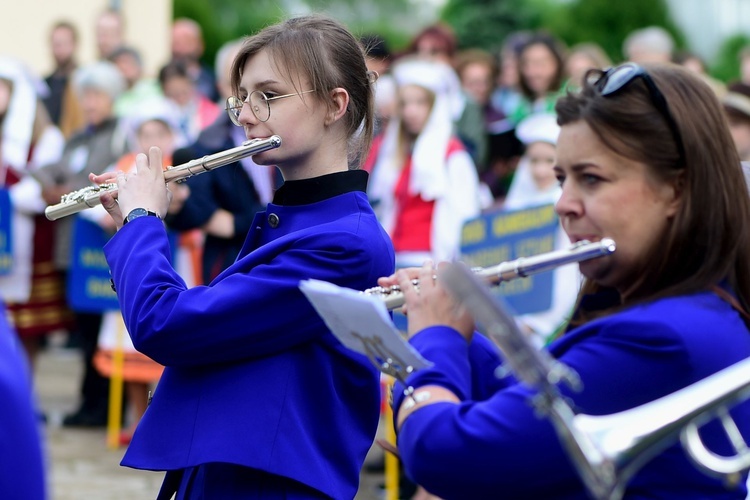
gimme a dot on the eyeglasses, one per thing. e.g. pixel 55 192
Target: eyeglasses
pixel 260 104
pixel 615 79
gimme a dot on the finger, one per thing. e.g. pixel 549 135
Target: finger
pixel 112 207
pixel 103 178
pixel 427 276
pixel 155 160
pixel 405 284
pixel 141 164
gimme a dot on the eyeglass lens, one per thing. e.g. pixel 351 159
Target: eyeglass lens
pixel 258 104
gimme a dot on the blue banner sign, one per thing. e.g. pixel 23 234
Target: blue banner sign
pixel 89 287
pixel 6 228
pixel 502 236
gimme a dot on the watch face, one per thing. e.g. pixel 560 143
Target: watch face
pixel 137 212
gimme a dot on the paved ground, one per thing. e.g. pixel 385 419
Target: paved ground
pixel 81 466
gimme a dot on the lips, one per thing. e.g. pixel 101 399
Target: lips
pixel 575 238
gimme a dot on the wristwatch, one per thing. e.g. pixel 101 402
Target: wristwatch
pixel 139 212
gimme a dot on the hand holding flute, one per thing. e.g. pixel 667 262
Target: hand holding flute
pixel 430 304
pixel 144 187
pixel 91 196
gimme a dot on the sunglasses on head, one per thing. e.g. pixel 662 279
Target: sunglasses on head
pixel 615 79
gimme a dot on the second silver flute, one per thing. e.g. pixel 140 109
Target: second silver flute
pixel 519 268
pixel 88 197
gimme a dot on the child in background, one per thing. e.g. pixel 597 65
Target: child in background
pixel 424 182
pixel 534 184
pixel 151 126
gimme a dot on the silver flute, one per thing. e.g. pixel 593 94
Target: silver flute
pixel 88 197
pixel 519 268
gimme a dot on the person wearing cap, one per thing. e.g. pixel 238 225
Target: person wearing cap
pixel 737 107
pixel 150 124
pixel 91 150
pixel 534 184
pixel 424 183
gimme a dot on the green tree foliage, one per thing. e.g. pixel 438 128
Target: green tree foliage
pixel 726 65
pixel 486 23
pixel 224 20
pixel 608 22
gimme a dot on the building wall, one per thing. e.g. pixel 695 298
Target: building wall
pixel 25 25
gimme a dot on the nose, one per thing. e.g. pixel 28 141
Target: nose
pixel 247 117
pixel 569 205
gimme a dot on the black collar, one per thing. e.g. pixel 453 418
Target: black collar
pixel 306 191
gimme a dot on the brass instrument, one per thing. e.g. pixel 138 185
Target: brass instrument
pixel 88 197
pixel 519 268
pixel 608 450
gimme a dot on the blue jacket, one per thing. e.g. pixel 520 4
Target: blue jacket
pixel 21 464
pixel 253 377
pixel 498 448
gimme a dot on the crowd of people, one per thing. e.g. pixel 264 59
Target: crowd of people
pixel 385 157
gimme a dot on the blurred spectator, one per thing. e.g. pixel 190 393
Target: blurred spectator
pixel 224 202
pixel 744 59
pixel 507 93
pixel 193 110
pixel 33 290
pixel 653 44
pixel 437 42
pixel 541 63
pixel 92 150
pixel 379 60
pixel 187 47
pixel 581 58
pixel 534 184
pixel 477 70
pixel 698 66
pixel 151 126
pixel 504 148
pixel 138 90
pixel 424 185
pixel 110 32
pixel 737 106
pixel 61 101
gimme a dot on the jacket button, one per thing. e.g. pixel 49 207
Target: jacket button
pixel 273 221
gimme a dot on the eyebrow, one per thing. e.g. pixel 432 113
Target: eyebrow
pixel 262 83
pixel 578 166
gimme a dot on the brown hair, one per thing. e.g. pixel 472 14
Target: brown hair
pixel 65 25
pixel 557 50
pixel 477 56
pixel 441 33
pixel 708 241
pixel 328 54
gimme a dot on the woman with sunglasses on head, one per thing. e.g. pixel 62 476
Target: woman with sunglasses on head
pixel 258 399
pixel 644 157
